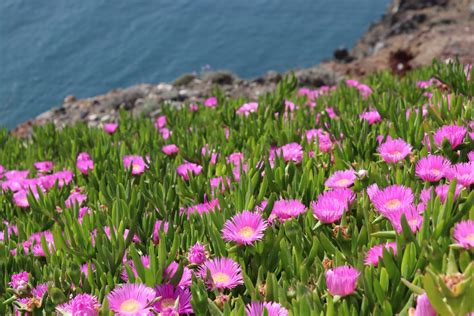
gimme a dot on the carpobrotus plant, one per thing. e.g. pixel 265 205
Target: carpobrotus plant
pixel 347 200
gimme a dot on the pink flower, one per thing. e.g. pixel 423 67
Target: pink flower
pixel 321 137
pixel 165 133
pixel 463 172
pixel 272 308
pixel 136 163
pixel 202 208
pixel 16 174
pixel 131 299
pixel 394 150
pixel 442 191
pixel 374 254
pixel 188 168
pixel 392 199
pixel 342 280
pixel 145 260
pixel 423 306
pixel 44 166
pixel 341 179
pixel 81 304
pixel 244 228
pixel 75 197
pixel 247 108
pixel 225 273
pixel 170 149
pixel 169 297
pixel 110 128
pixel 84 163
pixel 328 209
pixel 193 107
pixel 432 168
pixel 286 209
pixel 289 106
pixel 464 233
pixel 371 116
pixel 186 277
pixel 19 281
pixel 159 226
pixel 289 152
pixel 454 134
pixel 211 102
pixel 197 254
pixel 20 198
pixel 160 122
pixel 219 183
pixel 414 219
pixel 470 156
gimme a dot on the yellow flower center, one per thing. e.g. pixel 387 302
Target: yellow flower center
pixel 396 153
pixel 130 305
pixel 436 172
pixel 220 277
pixel 167 302
pixel 470 237
pixel 136 167
pixel 393 203
pixel 343 182
pixel 246 232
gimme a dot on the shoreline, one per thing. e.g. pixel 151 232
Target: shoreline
pixel 410 34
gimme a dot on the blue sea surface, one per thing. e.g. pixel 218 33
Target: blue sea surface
pixel 52 48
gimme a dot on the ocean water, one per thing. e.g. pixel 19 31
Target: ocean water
pixel 52 48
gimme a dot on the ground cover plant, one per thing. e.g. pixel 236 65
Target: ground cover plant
pixel 346 200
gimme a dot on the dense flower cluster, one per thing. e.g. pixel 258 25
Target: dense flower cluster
pixel 341 200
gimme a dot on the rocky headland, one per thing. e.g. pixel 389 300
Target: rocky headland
pixel 410 34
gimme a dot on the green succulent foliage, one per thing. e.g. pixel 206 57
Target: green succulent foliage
pixel 287 266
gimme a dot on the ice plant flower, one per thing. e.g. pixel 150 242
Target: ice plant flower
pixel 463 172
pixel 321 137
pixel 272 308
pixel 165 133
pixel 371 116
pixel 454 134
pixel 186 277
pixel 392 199
pixel 413 217
pixel 84 163
pixel 135 162
pixel 170 149
pixel 169 296
pixel 341 179
pixel 197 254
pixel 443 189
pixel 432 168
pixel 188 167
pixel 19 281
pixel 131 299
pixel 145 260
pixel 424 307
pixel 286 209
pixel 110 128
pixel 394 150
pixel 159 226
pixel 160 122
pixel 210 102
pixel 244 228
pixel 464 233
pixel 202 208
pixel 247 108
pixel 81 304
pixel 374 254
pixel 225 273
pixel 44 166
pixel 291 152
pixel 328 209
pixel 75 197
pixel 341 280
